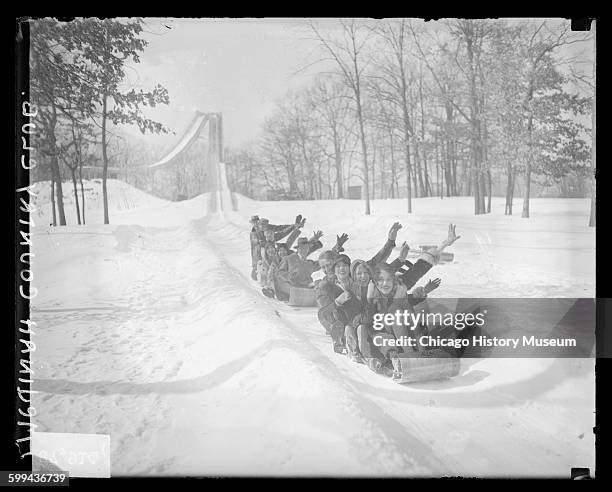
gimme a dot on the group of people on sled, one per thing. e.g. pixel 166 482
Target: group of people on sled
pixel 352 293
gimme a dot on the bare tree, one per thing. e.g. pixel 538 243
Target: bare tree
pixel 330 103
pixel 395 75
pixel 347 51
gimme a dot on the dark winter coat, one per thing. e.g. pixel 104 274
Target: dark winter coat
pixel 298 271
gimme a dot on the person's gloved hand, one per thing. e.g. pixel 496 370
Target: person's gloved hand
pixel 404 251
pixel 298 219
pixel 341 239
pixel 452 236
pixel 432 285
pixel 342 298
pixel 317 235
pixel 393 231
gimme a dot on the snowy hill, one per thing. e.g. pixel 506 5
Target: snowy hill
pixel 149 329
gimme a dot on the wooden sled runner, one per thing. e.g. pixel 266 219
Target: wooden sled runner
pixel 303 297
pixel 437 365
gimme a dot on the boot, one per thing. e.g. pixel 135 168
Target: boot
pixel 396 370
pixel 339 347
pixel 268 292
pixel 375 365
pixel 281 296
pixel 353 352
pixel 357 357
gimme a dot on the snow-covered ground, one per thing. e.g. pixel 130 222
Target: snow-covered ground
pixel 150 329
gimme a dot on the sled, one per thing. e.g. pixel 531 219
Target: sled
pixel 444 257
pixel 437 364
pixel 301 296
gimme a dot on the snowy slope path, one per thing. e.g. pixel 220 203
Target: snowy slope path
pixel 151 330
pixel 516 392
pixel 457 418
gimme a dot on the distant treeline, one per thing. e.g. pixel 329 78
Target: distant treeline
pixel 413 109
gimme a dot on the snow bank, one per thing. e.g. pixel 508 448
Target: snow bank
pixel 126 205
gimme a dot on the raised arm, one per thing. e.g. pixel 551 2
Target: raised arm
pixel 292 237
pixel 450 239
pixel 340 240
pixel 279 227
pixel 401 261
pixel 314 243
pixel 278 235
pixel 385 251
pixel 427 260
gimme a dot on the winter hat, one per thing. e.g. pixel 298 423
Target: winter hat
pixel 328 255
pixel 254 218
pixel 342 259
pixel 356 264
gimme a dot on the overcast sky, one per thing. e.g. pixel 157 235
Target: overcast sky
pixel 239 67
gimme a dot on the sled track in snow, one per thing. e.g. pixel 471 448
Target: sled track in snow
pixel 395 411
pixel 217 228
pixel 394 439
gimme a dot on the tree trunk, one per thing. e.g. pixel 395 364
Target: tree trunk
pixel 475 135
pixel 76 195
pixel 447 168
pixel 372 167
pixel 53 200
pixel 490 186
pixel 408 177
pixel 476 187
pixel 436 160
pixel 508 206
pixel 406 130
pixel 422 146
pixel 418 183
pixel 58 191
pixel 528 167
pixel 55 171
pixel 428 191
pixel 82 191
pixel 383 182
pixel 393 170
pixel 104 160
pixel 338 162
pixel 364 151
